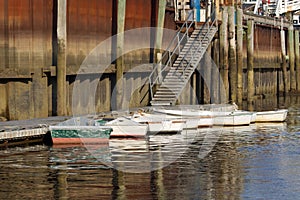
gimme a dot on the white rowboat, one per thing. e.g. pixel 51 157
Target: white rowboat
pixel 271 116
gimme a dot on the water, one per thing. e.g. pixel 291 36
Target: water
pixel 257 162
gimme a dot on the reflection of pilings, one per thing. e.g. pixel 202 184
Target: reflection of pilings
pixel 61 191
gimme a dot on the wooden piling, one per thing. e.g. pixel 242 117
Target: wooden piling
pixel 61 70
pixel 291 53
pixel 283 63
pixel 3 102
pixel 232 54
pixel 120 45
pixel 239 50
pixel 207 75
pixel 224 53
pixel 160 24
pixel 215 76
pixel 250 73
pixel 297 60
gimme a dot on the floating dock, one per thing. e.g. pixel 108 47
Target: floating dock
pixel 26 131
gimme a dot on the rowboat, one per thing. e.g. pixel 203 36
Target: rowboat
pixel 123 127
pixel 79 134
pixel 190 122
pixel 232 118
pixel 226 118
pixel 271 116
pixel 158 124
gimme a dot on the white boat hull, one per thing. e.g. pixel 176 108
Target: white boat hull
pixel 271 116
pixel 234 119
pixel 123 127
pixel 129 131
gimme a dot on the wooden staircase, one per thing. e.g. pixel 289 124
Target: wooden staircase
pixel 168 81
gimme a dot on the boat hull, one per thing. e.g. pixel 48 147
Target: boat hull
pixel 271 116
pixel 234 119
pixel 168 126
pixel 79 134
pixel 129 131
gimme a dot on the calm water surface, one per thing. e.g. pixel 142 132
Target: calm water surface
pixel 261 161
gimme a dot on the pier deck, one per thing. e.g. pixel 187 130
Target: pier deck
pixel 13 132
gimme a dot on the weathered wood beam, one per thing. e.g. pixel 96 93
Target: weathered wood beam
pixel 232 54
pixel 223 34
pixel 284 64
pixel 250 55
pixel 266 20
pixel 239 50
pixel 61 56
pixel 297 60
pixel 120 46
pixel 291 53
pixel 160 24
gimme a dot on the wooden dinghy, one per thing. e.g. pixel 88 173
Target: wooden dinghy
pixel 271 116
pixel 123 127
pixel 79 134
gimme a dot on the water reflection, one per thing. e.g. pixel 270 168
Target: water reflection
pixel 261 161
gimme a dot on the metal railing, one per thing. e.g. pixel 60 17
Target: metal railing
pixel 175 46
pixel 195 53
pixel 174 50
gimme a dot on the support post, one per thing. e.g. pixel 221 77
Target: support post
pixel 250 73
pixel 284 64
pixel 239 50
pixel 297 60
pixel 160 24
pixel 291 52
pixel 120 45
pixel 224 53
pixel 61 57
pixel 232 54
pixel 215 84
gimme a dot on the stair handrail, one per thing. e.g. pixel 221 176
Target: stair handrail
pixel 212 19
pixel 169 53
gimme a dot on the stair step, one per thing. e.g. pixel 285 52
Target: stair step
pixel 164 96
pixel 160 103
pixel 163 99
pixel 169 92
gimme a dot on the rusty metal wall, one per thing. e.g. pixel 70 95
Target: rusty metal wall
pixel 26 37
pixel 89 23
pixel 25 50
